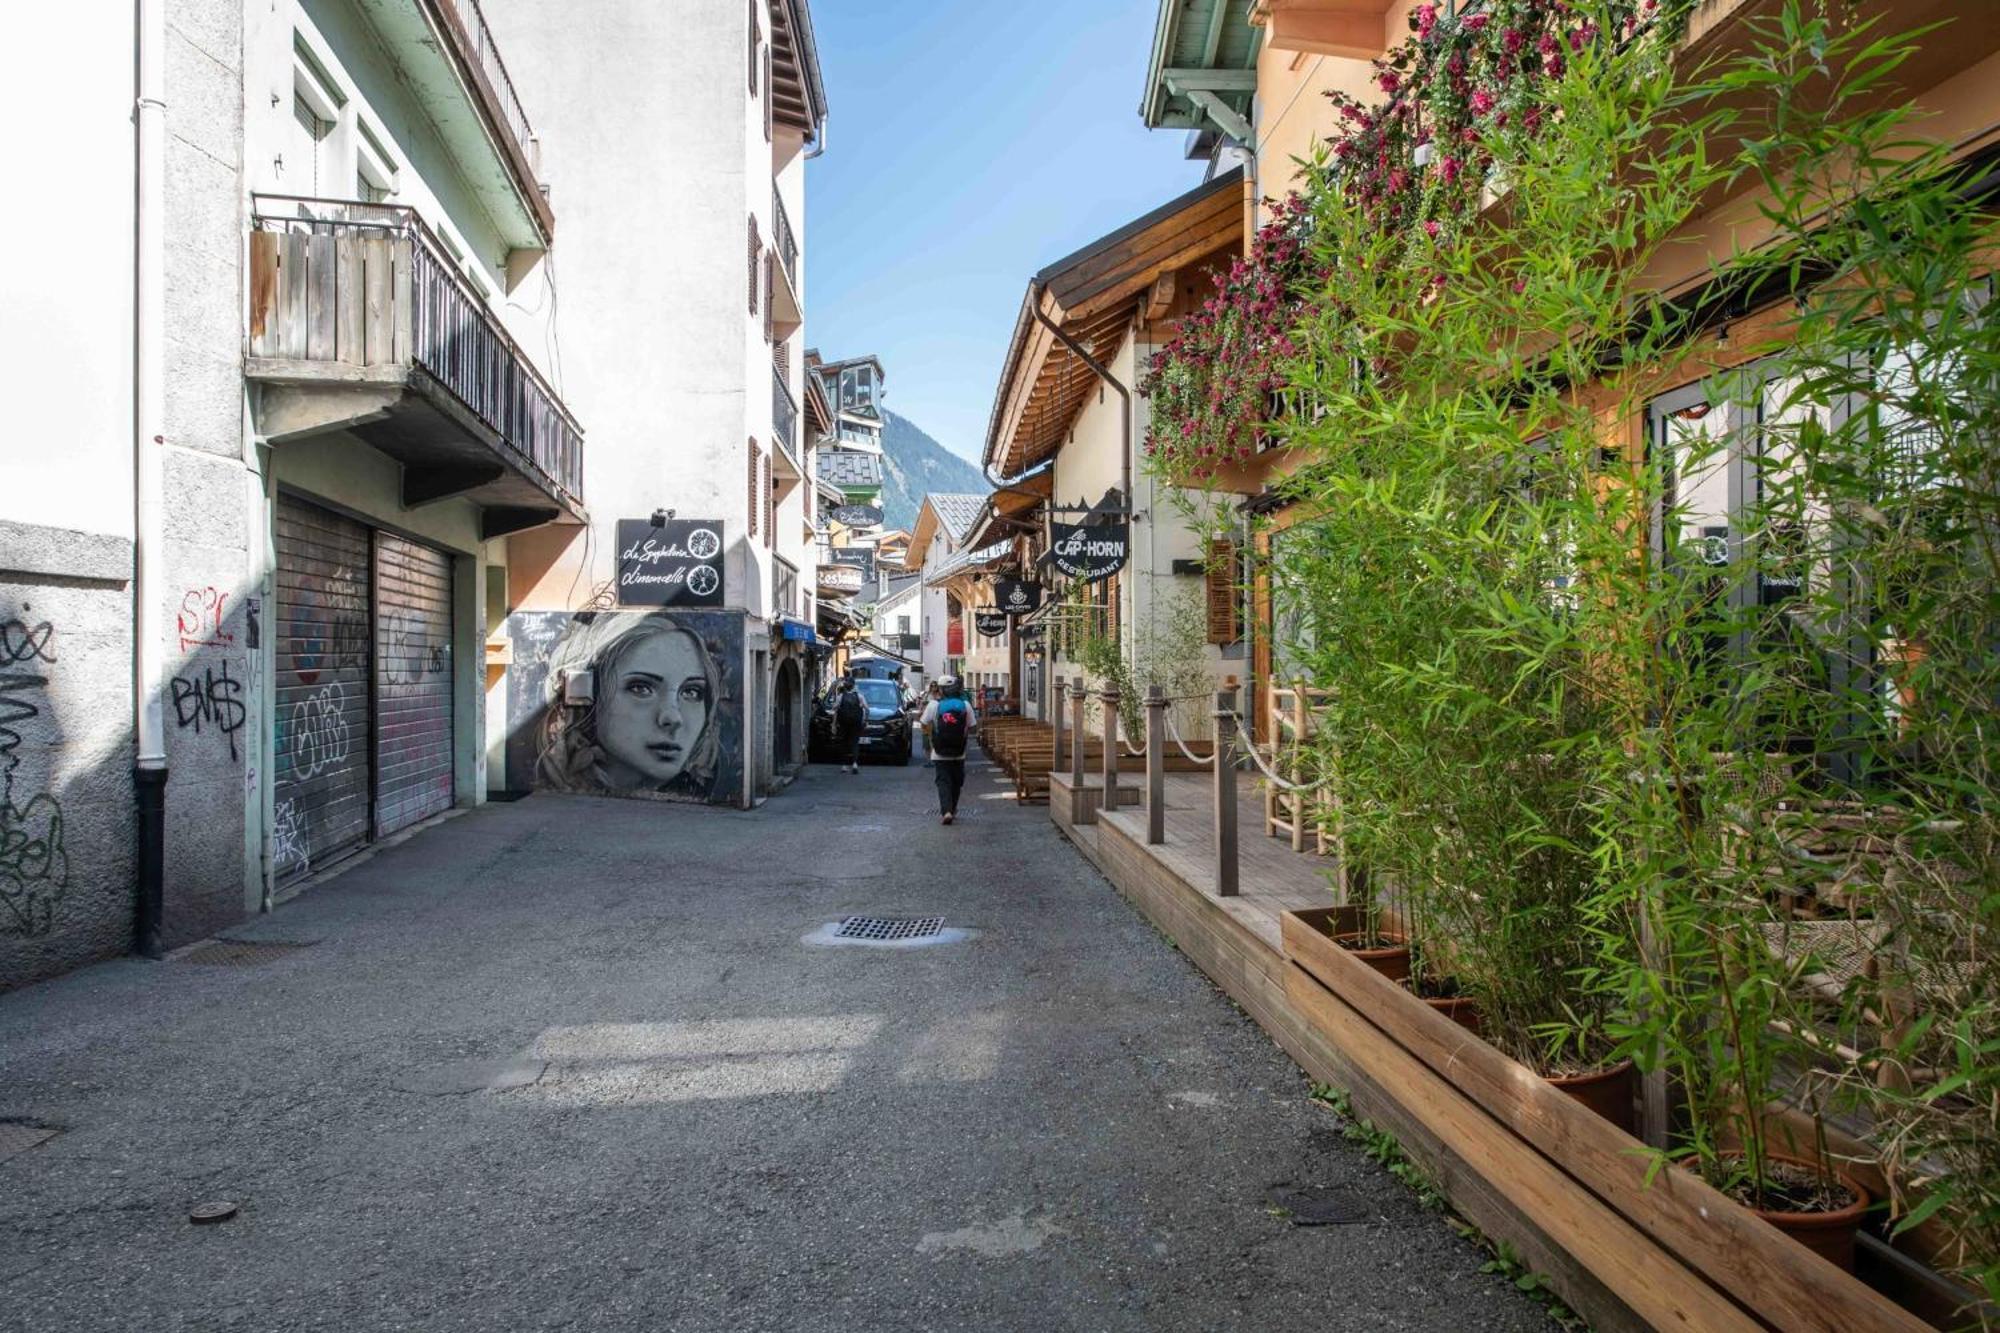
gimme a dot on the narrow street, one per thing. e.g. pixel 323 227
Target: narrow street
pixel 570 1063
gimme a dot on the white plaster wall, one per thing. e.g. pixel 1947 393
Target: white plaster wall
pixel 66 339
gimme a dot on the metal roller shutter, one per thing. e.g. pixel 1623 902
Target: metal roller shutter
pixel 322 744
pixel 413 683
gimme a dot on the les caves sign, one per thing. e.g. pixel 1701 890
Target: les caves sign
pixel 678 563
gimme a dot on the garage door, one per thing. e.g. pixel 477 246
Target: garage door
pixel 413 683
pixel 321 787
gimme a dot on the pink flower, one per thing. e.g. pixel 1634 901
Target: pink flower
pixel 1426 18
pixel 1482 102
pixel 1478 22
pixel 1512 41
pixel 1431 228
pixel 1449 169
pixel 1389 82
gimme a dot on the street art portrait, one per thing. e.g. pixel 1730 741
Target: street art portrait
pixel 663 715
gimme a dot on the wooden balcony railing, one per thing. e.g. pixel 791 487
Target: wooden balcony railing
pixel 339 287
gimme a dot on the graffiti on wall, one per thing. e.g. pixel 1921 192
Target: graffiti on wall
pixel 319 735
pixel 34 867
pixel 330 626
pixel 212 699
pixel 289 844
pixel 199 620
pixel 629 703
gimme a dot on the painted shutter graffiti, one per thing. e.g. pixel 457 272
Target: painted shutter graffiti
pixel 321 791
pixel 413 683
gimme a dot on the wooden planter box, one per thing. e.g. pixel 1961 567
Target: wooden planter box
pixel 1673 1255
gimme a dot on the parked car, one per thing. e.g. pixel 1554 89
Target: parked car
pixel 889 730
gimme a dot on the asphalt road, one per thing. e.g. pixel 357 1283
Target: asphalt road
pixel 568 1063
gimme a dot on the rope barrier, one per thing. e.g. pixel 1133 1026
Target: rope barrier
pixel 1174 734
pixel 1281 783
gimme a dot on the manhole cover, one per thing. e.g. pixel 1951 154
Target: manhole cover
pixel 239 953
pixel 888 927
pixel 17 1136
pixel 1317 1206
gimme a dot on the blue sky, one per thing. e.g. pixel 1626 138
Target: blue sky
pixel 969 145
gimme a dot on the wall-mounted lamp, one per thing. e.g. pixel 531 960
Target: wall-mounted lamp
pixel 661 517
pixel 1722 338
pixel 1425 152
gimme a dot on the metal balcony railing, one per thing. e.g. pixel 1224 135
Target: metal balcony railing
pixel 485 56
pixel 784 415
pixel 783 240
pixel 355 285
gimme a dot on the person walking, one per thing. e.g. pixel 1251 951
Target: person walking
pixel 948 723
pixel 930 759
pixel 850 719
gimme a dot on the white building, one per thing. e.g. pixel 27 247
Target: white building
pixel 675 138
pixel 293 342
pixel 943 522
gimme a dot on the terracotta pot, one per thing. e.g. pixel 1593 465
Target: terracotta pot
pixel 1605 1091
pixel 1458 1008
pixel 1391 960
pixel 1828 1235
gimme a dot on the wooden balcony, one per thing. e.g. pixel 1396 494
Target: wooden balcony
pixel 360 323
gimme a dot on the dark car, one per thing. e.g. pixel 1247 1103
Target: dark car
pixel 887 734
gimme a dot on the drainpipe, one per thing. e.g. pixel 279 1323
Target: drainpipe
pixel 148 481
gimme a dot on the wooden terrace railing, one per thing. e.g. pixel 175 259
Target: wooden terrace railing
pixel 346 286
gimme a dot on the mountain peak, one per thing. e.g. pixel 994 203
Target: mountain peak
pixel 915 464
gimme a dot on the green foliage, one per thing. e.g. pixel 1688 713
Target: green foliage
pixel 1596 707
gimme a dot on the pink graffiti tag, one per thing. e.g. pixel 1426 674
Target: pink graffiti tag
pixel 199 622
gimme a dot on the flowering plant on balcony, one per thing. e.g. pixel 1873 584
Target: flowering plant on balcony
pixel 1210 384
pixel 1418 163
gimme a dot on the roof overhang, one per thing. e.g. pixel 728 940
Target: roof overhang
pixel 1353 29
pixel 1014 509
pixel 1203 69
pixel 797 91
pixel 1092 296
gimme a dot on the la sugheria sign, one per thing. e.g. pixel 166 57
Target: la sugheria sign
pixel 1090 550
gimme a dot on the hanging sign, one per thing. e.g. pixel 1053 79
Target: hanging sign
pixel 990 622
pixel 1089 551
pixel 1017 597
pixel 676 564
pixel 858 516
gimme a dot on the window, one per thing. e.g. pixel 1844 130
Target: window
pixel 756 504
pixel 769 101
pixel 307 160
pixel 1220 585
pixel 756 43
pixel 374 172
pixel 902 624
pixel 756 264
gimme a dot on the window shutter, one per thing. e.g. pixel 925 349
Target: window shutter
pixel 756 40
pixel 770 503
pixel 756 471
pixel 768 99
pixel 1221 590
pixel 1111 605
pixel 756 264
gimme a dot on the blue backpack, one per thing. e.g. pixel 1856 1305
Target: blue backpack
pixel 950 730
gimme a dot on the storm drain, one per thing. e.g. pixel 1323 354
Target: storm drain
pixel 889 927
pixel 17 1136
pixel 239 953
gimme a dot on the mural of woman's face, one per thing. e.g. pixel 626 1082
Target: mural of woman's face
pixel 652 708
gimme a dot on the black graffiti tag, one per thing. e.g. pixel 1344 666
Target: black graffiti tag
pixel 214 700
pixel 22 642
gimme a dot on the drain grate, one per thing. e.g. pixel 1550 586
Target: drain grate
pixel 889 927
pixel 17 1136
pixel 240 953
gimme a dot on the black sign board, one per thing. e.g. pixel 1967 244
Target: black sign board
pixel 858 516
pixel 863 556
pixel 1016 597
pixel 676 564
pixel 990 622
pixel 1089 551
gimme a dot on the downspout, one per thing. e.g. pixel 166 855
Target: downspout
pixel 1124 416
pixel 149 772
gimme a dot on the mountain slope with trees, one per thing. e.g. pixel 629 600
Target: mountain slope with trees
pixel 914 464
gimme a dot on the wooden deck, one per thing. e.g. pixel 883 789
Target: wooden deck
pixel 1274 878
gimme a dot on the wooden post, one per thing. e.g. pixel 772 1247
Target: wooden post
pixel 1156 765
pixel 1225 794
pixel 1056 715
pixel 1076 734
pixel 1110 698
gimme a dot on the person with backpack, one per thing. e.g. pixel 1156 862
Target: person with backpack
pixel 932 696
pixel 850 719
pixel 948 723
